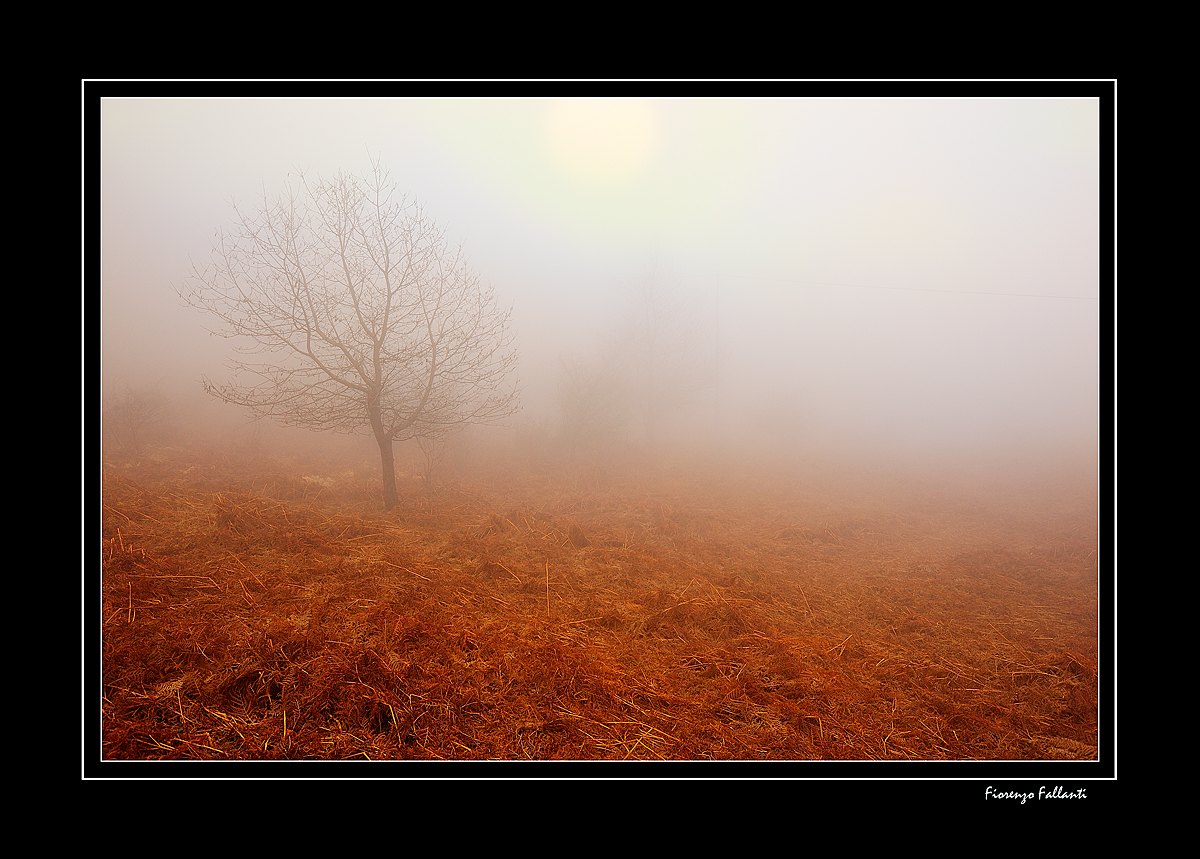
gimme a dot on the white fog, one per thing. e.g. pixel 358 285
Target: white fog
pixel 913 275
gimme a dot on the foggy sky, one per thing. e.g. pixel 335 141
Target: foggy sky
pixel 921 271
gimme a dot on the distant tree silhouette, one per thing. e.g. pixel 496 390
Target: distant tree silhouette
pixel 130 417
pixel 668 360
pixel 593 406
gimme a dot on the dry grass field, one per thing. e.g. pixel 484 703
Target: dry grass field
pixel 259 607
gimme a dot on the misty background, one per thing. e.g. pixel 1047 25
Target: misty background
pixel 914 278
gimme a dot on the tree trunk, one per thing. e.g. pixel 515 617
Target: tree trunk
pixel 390 497
pixel 384 439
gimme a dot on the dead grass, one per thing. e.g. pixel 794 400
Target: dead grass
pixel 275 613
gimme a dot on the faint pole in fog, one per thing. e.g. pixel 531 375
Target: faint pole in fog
pixel 718 448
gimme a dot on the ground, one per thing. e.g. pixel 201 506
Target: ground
pixel 258 606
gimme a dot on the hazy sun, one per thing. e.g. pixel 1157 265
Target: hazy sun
pixel 601 142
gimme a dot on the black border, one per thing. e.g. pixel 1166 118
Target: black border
pixel 937 781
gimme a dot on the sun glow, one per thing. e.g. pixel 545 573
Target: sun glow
pixel 602 142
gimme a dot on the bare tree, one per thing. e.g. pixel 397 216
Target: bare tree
pixel 670 359
pixel 129 418
pixel 359 314
pixel 433 455
pixel 592 402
